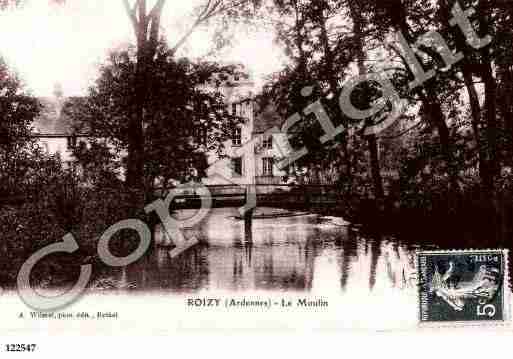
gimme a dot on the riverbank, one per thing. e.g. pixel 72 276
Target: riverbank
pixel 468 222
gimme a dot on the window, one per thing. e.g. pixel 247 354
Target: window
pixel 268 142
pixel 237 167
pixel 267 166
pixel 71 142
pixel 200 134
pixel 237 136
pixel 237 109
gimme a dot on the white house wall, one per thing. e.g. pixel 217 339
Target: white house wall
pixel 59 146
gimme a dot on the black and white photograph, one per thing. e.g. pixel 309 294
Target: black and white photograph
pixel 205 165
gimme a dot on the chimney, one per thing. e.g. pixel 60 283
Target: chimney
pixel 57 91
pixel 58 94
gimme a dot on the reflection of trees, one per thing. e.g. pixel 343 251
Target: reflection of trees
pixel 267 270
pixel 248 244
pixel 187 272
pixel 237 259
pixel 364 252
pixel 309 255
pixel 349 251
pixel 286 267
pixel 242 263
pixel 375 245
pixel 390 270
pixel 397 265
pixel 248 251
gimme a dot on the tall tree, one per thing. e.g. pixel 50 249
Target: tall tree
pixel 356 11
pixel 146 26
pixel 324 47
pixel 146 23
pixel 17 111
pixel 185 116
pixel 315 72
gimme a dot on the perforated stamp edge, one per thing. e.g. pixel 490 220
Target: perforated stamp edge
pixel 506 301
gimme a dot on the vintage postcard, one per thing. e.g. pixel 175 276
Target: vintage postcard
pixel 193 166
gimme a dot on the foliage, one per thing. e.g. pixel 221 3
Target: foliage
pixel 58 205
pixel 183 118
pixel 18 152
pixel 461 118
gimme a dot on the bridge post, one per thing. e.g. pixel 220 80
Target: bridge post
pixel 248 225
pixel 307 192
pixel 248 217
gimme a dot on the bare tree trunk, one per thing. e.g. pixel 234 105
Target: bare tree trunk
pixel 334 88
pixel 506 104
pixel 434 107
pixel 476 119
pixel 468 78
pixel 484 13
pixel 372 140
pixel 375 167
pixel 490 87
pixel 146 27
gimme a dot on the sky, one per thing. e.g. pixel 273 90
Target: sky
pixel 51 44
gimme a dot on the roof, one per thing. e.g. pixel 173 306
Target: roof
pixel 53 121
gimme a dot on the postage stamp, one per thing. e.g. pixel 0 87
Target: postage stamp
pixel 463 286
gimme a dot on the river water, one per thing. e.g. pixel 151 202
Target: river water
pixel 369 281
pixel 292 252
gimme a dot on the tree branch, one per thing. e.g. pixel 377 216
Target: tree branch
pixel 157 9
pixel 212 8
pixel 155 17
pixel 131 12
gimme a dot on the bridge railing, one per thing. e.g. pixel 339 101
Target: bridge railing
pixel 261 189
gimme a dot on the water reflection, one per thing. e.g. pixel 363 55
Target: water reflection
pixel 296 253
